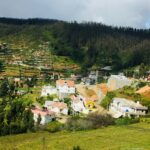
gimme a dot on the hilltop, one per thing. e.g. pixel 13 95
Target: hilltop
pixel 88 44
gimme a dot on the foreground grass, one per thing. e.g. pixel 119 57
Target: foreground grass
pixel 133 137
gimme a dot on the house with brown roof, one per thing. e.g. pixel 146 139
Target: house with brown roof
pixel 57 107
pixel 46 115
pixel 65 88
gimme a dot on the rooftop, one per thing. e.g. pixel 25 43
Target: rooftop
pixel 42 112
pixel 60 105
pixel 129 103
pixel 70 83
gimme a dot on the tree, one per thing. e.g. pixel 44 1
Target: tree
pixel 108 99
pixel 1 66
pixel 31 82
pixel 142 70
pixel 39 120
pixel 4 88
pixel 27 119
pixel 15 114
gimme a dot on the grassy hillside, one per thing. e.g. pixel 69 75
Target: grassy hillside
pixel 86 43
pixel 111 138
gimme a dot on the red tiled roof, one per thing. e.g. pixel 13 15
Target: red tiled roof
pixel 42 112
pixel 70 83
pixel 59 105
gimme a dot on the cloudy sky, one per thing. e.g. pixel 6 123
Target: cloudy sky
pixel 133 13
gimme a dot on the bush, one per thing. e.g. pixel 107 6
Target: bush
pixel 54 127
pixel 92 121
pixel 41 100
pixel 108 99
pixel 126 121
pixel 76 124
pixel 76 148
pixel 145 119
pixel 141 84
pixel 100 120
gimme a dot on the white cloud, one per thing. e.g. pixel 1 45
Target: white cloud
pixel 134 13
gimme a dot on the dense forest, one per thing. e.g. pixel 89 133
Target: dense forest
pixel 89 44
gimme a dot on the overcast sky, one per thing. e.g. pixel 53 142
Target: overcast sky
pixel 133 13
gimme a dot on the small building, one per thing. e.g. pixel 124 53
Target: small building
pixel 90 93
pixel 89 102
pixel 93 75
pixel 57 107
pixel 46 115
pixel 117 81
pixel 77 104
pixel 48 90
pixel 121 107
pixel 87 81
pixel 65 88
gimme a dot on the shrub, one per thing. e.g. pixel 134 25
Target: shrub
pixel 92 121
pixel 126 121
pixel 141 84
pixel 145 119
pixel 100 120
pixel 76 148
pixel 107 100
pixel 41 100
pixel 76 124
pixel 54 127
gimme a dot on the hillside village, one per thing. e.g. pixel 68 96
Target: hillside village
pixel 80 99
pixel 57 94
pixel 74 75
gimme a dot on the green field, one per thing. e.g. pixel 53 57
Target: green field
pixel 132 137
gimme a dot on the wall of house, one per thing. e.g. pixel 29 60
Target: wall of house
pixel 44 119
pixel 66 89
pixel 50 91
pixel 116 82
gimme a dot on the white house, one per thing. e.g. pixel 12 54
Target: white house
pixel 123 107
pixel 77 104
pixel 65 88
pixel 57 107
pixel 46 116
pixel 48 90
pixel 93 75
pixel 118 81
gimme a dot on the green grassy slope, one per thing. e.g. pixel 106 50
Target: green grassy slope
pixel 131 137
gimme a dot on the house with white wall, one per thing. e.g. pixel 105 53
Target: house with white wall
pixel 48 90
pixel 46 115
pixel 118 81
pixel 65 88
pixel 77 104
pixel 57 107
pixel 124 107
